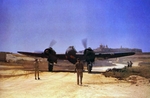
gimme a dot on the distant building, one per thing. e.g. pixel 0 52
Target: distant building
pixel 3 56
pixel 12 57
pixel 104 48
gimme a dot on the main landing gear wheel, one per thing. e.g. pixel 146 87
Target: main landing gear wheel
pixel 50 67
pixel 89 67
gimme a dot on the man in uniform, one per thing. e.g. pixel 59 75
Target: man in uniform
pixel 131 64
pixel 79 69
pixel 36 66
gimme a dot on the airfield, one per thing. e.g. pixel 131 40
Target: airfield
pixel 17 80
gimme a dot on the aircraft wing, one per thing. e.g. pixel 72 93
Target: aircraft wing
pixel 106 55
pixel 113 55
pixel 81 56
pixel 61 56
pixel 33 54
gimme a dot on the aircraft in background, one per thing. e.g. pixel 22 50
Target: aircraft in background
pixel 71 55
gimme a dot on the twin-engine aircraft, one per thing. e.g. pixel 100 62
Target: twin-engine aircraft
pixel 71 55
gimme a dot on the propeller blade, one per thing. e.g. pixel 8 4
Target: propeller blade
pixel 84 42
pixel 52 43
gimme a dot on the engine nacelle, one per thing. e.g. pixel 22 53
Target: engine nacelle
pixel 89 55
pixel 51 55
pixel 71 54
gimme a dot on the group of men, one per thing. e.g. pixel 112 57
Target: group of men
pixel 129 64
pixel 79 67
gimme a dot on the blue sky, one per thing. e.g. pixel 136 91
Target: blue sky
pixel 30 25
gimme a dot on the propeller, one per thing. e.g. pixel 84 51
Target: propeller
pixel 52 43
pixel 84 42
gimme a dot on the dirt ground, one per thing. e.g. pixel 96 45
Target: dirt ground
pixel 18 83
pixel 63 85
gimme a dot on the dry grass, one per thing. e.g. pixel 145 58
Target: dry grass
pixel 142 70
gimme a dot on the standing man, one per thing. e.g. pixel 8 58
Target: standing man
pixel 36 66
pixel 128 64
pixel 131 64
pixel 79 69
